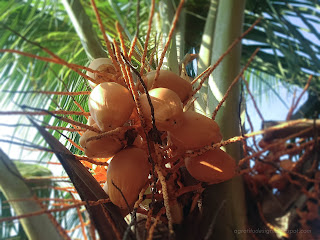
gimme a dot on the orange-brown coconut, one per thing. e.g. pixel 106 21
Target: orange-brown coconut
pixel 110 105
pixel 107 69
pixel 278 181
pixel 167 108
pixel 287 164
pixel 101 148
pixel 90 121
pixel 170 80
pixel 196 131
pixel 128 170
pixel 213 166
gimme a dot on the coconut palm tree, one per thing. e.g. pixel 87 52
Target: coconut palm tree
pixel 71 32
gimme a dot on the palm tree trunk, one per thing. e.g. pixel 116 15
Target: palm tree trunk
pixel 205 54
pixel 83 27
pixel 171 58
pixel 226 200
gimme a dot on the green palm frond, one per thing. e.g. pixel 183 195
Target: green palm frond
pixel 46 24
pixel 289 39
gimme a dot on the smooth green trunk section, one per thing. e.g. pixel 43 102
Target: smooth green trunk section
pixel 13 187
pixel 171 60
pixel 83 27
pixel 233 214
pixel 205 54
pixel 180 36
pixel 207 37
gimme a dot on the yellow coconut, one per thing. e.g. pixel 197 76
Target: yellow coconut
pixel 213 166
pixel 167 108
pixel 110 105
pixel 101 148
pixel 196 131
pixel 127 174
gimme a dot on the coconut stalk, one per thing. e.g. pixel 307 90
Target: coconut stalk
pixel 13 187
pixel 226 200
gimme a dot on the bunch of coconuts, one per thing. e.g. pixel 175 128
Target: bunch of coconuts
pixel 112 106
